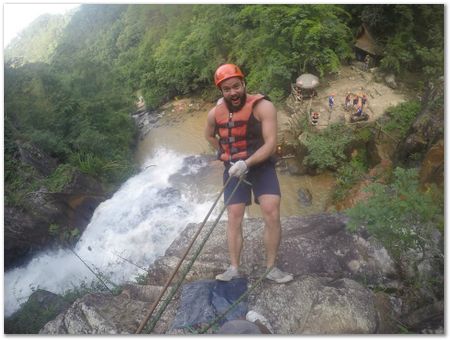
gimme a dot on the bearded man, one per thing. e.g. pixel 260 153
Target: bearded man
pixel 243 128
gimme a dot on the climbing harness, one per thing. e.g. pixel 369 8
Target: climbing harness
pixel 174 290
pixel 235 303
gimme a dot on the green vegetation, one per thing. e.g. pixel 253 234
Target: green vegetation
pixel 38 41
pixel 399 119
pixel 410 35
pixel 64 235
pixel 33 315
pixel 349 174
pixel 400 215
pixel 326 149
pixel 31 318
pixel 74 101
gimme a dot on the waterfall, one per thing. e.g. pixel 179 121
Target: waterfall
pixel 137 223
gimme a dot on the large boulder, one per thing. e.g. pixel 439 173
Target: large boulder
pixel 317 305
pixel 98 314
pixel 329 294
pixel 390 81
pixel 102 313
pixel 315 244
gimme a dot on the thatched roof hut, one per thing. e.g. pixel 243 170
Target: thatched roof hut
pixel 366 43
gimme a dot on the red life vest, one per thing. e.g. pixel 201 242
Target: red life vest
pixel 238 140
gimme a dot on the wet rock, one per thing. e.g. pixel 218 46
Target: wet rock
pixel 304 197
pixel 145 120
pixel 390 81
pixel 23 234
pixel 27 227
pixel 295 168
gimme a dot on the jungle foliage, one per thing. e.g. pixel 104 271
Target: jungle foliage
pixel 401 215
pixel 411 36
pixel 72 98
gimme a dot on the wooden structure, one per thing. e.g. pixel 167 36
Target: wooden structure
pixel 305 87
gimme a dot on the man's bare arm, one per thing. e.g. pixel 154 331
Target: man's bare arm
pixel 266 113
pixel 210 130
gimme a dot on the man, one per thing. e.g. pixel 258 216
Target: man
pixel 331 101
pixel 347 101
pixel 246 126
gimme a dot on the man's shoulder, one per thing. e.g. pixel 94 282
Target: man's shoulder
pixel 264 106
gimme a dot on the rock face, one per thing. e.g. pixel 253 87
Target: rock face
pixel 428 128
pixel 27 227
pixel 327 295
pixel 40 161
pixel 312 245
pixel 432 170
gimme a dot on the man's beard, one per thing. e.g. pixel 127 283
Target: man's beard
pixel 231 107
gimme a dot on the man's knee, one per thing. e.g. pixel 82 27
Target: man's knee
pixel 270 206
pixel 235 214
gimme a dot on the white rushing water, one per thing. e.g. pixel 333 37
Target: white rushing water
pixel 138 223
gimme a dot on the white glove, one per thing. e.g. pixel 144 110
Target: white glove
pixel 238 169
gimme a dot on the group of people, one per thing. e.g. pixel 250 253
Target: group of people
pixel 356 103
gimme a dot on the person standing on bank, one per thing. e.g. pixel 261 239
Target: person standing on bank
pixel 243 128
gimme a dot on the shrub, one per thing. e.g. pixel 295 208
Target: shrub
pixel 399 214
pixel 401 117
pixel 326 149
pixel 348 174
pixel 60 177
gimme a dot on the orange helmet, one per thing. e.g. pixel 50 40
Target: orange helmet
pixel 226 71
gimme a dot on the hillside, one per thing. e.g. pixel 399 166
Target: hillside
pixel 38 41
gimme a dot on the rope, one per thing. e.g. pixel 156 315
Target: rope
pixel 127 260
pixel 235 303
pixel 189 266
pixel 92 271
pixel 153 307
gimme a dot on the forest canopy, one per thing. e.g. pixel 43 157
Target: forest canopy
pixel 73 97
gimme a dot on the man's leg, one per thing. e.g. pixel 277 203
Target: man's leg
pixel 270 208
pixel 234 232
pixel 236 210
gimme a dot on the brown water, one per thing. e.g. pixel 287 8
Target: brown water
pixel 181 129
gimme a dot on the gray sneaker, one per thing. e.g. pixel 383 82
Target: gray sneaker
pixel 279 276
pixel 228 274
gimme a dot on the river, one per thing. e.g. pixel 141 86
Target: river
pixel 178 181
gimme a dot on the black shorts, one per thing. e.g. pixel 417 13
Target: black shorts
pixel 263 179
